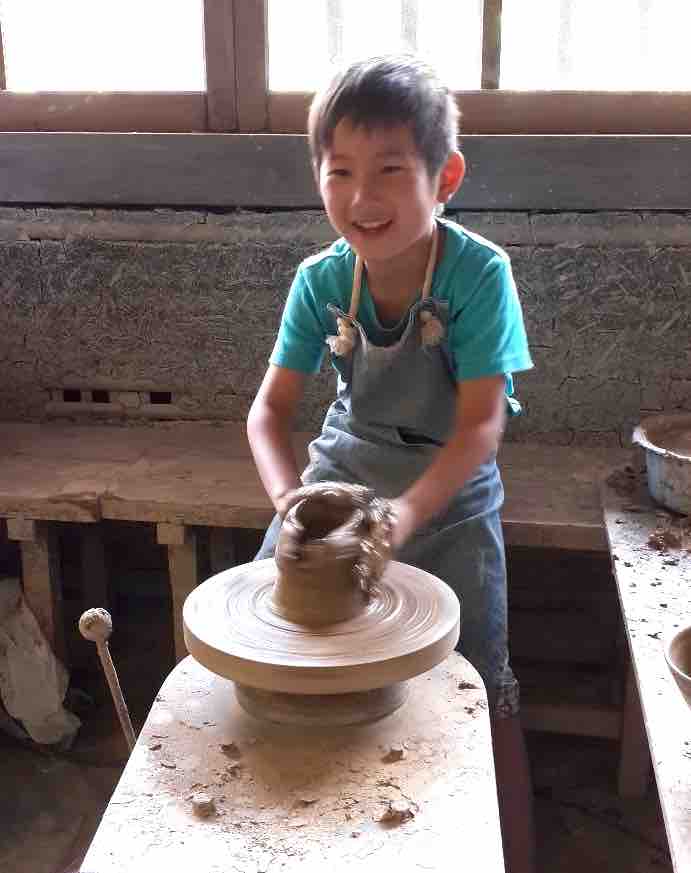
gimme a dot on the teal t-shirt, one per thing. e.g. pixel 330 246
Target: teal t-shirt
pixel 486 334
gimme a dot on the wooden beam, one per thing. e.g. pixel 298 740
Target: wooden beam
pixel 504 172
pixel 41 580
pixel 491 43
pixel 537 112
pixel 3 78
pixel 252 64
pixel 175 112
pixel 219 53
pixel 181 543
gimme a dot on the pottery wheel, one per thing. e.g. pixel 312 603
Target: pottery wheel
pixel 409 623
pixel 330 630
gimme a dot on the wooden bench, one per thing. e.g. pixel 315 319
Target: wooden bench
pixel 179 476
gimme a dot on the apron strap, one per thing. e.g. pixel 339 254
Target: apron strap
pixel 426 286
pixel 432 330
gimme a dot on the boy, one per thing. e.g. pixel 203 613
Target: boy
pixel 425 329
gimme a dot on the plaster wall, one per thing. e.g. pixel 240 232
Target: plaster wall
pixel 186 305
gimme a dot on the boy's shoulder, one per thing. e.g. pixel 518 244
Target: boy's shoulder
pixel 472 249
pixel 334 260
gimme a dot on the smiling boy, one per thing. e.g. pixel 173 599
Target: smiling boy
pixel 425 330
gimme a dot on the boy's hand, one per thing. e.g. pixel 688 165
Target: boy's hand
pixel 405 522
pixel 287 500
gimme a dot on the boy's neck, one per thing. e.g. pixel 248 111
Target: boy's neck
pixel 400 278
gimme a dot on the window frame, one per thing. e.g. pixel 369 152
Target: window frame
pixel 545 150
pixel 238 99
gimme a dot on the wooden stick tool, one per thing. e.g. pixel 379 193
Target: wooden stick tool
pixel 97 625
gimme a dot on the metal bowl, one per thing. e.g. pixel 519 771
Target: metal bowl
pixel 678 657
pixel 667 443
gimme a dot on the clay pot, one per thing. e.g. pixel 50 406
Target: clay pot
pixel 318 554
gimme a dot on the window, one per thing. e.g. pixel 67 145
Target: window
pixel 87 45
pixel 518 66
pixel 617 45
pixel 341 31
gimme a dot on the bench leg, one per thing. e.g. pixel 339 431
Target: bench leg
pixel 94 568
pixel 41 577
pixel 634 759
pixel 222 551
pixel 183 572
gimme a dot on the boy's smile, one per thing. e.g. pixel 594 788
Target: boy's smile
pixel 379 195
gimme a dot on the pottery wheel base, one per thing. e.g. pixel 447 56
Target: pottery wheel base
pixel 356 707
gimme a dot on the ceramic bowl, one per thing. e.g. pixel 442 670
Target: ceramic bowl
pixel 678 657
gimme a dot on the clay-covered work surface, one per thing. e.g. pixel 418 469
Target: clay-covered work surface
pixel 414 791
pixel 408 623
pixel 651 557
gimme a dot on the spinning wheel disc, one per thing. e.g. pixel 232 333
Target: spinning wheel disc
pixel 409 623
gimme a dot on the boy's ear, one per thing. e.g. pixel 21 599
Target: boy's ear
pixel 451 176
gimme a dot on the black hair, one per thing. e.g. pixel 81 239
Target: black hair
pixel 384 92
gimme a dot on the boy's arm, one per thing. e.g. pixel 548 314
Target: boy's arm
pixel 480 412
pixel 269 427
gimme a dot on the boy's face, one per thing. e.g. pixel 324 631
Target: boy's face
pixel 378 192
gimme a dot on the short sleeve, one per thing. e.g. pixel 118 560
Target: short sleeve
pixel 300 343
pixel 487 335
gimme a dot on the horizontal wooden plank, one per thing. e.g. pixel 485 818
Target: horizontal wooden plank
pixel 579 537
pixel 536 112
pixel 580 720
pixel 103 111
pixel 264 171
pixel 213 169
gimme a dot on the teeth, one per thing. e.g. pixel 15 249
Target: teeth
pixel 371 225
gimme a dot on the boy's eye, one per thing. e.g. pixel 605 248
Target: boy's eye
pixel 338 171
pixel 391 168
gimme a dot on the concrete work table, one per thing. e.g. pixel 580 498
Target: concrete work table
pixel 305 799
pixel 651 559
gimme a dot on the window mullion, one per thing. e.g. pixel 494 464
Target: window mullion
pixel 491 43
pixel 252 64
pixel 219 55
pixel 3 80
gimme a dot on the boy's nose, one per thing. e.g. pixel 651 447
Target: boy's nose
pixel 363 193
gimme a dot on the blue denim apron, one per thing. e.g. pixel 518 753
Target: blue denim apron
pixel 395 406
